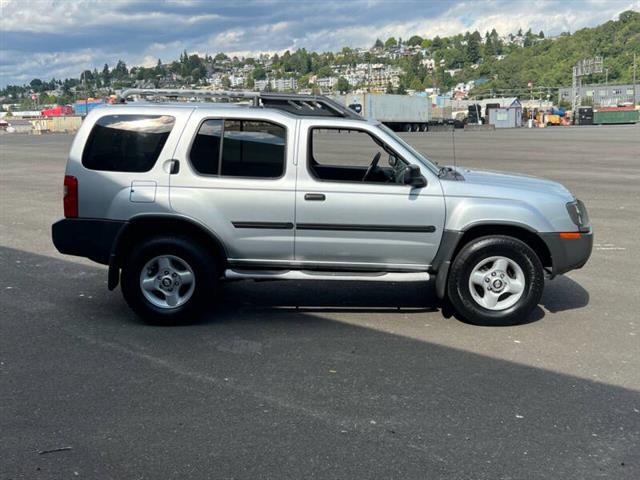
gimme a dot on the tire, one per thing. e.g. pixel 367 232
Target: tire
pixel 147 262
pixel 513 270
pixel 406 127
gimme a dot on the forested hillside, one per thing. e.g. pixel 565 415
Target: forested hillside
pixel 549 62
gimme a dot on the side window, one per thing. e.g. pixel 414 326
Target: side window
pixel 343 155
pixel 239 148
pixel 205 151
pixel 126 143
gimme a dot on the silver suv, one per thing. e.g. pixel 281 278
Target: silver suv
pixel 177 197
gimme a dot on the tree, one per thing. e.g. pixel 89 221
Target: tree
pixel 541 34
pixel 106 75
pixel 342 85
pixel 36 85
pixel 259 73
pixel 414 40
pixel 378 44
pixel 489 48
pixel 120 71
pixel 391 42
pixel 416 84
pixel 473 47
pixel 226 83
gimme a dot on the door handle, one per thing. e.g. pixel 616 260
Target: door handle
pixel 318 197
pixel 171 166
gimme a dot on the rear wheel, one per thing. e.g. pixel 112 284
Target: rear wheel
pixel 168 280
pixel 496 280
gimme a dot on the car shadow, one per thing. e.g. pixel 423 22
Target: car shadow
pixel 282 394
pixel 563 293
pixel 560 294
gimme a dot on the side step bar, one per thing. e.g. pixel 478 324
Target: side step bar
pixel 319 275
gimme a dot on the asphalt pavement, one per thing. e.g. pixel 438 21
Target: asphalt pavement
pixel 326 379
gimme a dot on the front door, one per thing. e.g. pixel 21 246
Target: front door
pixel 353 208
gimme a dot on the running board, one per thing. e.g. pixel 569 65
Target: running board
pixel 319 275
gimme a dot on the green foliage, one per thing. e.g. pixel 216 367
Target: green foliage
pixel 415 40
pixel 342 85
pixel 391 42
pixel 548 62
pixel 259 73
pixel 473 53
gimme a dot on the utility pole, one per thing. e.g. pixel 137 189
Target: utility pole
pixel 634 80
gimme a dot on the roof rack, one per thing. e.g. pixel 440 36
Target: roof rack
pixel 297 104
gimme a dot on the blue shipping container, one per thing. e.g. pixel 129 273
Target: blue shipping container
pixel 82 108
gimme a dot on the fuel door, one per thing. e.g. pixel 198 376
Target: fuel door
pixel 143 191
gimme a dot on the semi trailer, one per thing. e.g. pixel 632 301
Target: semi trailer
pixel 401 113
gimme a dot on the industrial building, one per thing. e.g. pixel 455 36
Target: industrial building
pixel 603 95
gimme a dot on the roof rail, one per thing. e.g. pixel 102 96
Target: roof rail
pixel 297 104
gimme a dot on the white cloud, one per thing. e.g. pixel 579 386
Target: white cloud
pixel 45 38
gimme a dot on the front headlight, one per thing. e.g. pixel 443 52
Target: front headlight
pixel 579 216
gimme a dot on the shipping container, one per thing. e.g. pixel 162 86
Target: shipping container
pixel 83 107
pixel 57 111
pixel 613 117
pixel 585 116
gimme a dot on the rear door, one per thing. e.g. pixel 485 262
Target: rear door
pixel 237 178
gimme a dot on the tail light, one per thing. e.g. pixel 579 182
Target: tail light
pixel 70 199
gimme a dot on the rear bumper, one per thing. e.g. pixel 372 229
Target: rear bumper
pixel 86 237
pixel 566 254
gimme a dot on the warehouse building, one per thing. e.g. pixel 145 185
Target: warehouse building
pixel 603 95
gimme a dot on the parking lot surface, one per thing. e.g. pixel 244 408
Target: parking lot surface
pixel 326 379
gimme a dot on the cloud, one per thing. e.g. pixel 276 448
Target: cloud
pixel 60 38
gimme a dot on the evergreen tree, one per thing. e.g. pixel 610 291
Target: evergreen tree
pixel 106 75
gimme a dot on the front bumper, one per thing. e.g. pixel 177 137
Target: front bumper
pixel 568 254
pixel 86 237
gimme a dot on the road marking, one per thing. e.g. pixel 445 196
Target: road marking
pixel 608 246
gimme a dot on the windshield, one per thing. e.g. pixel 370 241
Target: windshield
pixel 428 163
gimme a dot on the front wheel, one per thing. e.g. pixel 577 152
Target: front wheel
pixel 168 280
pixel 496 280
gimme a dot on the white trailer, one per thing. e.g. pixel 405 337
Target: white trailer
pixel 406 113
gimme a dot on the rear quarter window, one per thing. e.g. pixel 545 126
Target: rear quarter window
pixel 126 143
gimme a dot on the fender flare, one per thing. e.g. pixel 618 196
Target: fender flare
pixel 115 257
pixel 450 244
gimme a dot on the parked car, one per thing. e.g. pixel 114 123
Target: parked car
pixel 176 198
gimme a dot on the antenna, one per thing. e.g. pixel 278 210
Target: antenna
pixel 453 144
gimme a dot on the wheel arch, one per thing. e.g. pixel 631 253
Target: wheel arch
pixel 458 239
pixel 144 226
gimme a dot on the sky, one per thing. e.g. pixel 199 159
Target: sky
pixel 61 38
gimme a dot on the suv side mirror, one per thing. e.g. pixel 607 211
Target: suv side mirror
pixel 413 177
